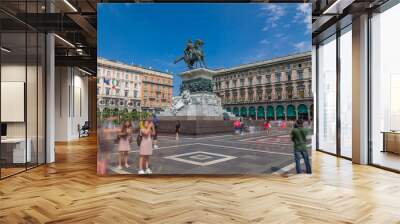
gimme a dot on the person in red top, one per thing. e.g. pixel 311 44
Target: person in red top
pixel 237 125
pixel 267 126
pixel 283 124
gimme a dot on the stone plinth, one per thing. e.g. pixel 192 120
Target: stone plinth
pixel 197 80
pixel 197 108
pixel 197 127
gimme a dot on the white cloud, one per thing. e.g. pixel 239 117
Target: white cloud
pixel 303 15
pixel 272 12
pixel 265 41
pixel 302 46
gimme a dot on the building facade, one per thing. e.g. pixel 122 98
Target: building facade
pixel 156 90
pixel 280 88
pixel 132 88
pixel 118 86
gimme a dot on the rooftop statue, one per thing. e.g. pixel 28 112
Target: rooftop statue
pixel 193 55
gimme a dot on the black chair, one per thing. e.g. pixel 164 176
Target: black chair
pixel 84 130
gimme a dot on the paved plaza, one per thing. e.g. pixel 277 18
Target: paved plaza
pixel 254 153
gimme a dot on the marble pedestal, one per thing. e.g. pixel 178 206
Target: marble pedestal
pixel 197 108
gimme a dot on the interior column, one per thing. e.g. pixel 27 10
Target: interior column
pixel 360 90
pixel 50 98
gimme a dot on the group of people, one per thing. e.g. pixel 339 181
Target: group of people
pixel 240 126
pixel 147 140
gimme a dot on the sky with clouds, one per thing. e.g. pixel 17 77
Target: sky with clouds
pixel 154 35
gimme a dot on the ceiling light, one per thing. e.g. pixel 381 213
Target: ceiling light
pixel 70 5
pixel 5 50
pixel 338 6
pixel 64 40
pixel 86 72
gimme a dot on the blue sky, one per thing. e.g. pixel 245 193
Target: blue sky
pixel 154 35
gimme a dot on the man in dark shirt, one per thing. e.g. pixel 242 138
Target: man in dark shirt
pixel 299 138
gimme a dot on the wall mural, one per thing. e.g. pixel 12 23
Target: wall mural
pixel 196 101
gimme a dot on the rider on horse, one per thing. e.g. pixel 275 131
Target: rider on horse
pixel 193 54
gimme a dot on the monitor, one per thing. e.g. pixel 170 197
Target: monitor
pixel 3 129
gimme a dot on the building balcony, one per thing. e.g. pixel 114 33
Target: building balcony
pixel 156 83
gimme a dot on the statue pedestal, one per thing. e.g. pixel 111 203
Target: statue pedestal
pixel 197 73
pixel 197 108
pixel 197 80
pixel 196 127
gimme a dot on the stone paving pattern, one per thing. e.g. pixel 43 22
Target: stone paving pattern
pixel 213 154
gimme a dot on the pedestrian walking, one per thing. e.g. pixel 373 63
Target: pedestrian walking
pixel 236 125
pixel 299 138
pixel 241 127
pixel 267 126
pixel 283 124
pixel 177 129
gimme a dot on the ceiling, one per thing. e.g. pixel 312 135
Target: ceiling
pixel 73 21
pixel 326 13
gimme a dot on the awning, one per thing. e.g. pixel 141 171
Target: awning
pixel 236 111
pixel 270 112
pixel 280 112
pixel 260 111
pixel 243 111
pixel 291 111
pixel 252 111
pixel 302 109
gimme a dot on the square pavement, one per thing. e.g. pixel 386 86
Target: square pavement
pixel 213 154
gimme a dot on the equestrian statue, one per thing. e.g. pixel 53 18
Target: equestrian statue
pixel 193 55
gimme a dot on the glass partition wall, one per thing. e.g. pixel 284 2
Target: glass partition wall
pixel 22 78
pixel 334 100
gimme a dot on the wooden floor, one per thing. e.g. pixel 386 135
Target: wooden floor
pixel 69 191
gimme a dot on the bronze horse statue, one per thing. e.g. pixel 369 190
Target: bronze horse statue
pixel 193 55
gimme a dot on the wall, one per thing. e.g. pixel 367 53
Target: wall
pixel 71 102
pixel 14 72
pixel 33 126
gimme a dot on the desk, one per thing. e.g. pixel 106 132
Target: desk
pixel 16 147
pixel 391 141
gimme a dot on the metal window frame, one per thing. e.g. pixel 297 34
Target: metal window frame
pixel 381 9
pixel 338 28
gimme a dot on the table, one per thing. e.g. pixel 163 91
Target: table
pixel 391 141
pixel 16 147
